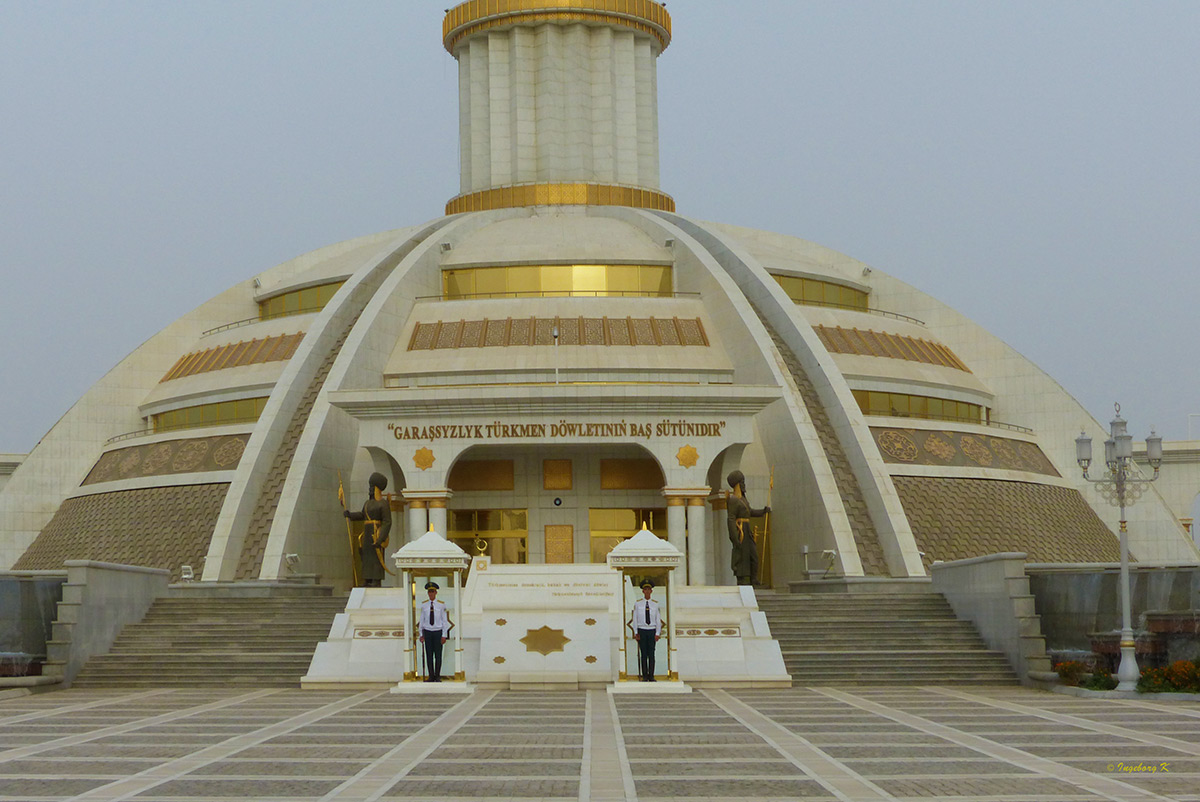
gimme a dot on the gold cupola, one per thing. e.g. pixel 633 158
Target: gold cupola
pixel 558 102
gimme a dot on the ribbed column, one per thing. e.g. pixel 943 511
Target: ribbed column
pixel 560 95
pixel 557 104
pixel 722 548
pixel 697 541
pixel 439 515
pixel 677 528
pixel 417 521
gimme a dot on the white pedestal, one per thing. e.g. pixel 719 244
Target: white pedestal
pixel 365 647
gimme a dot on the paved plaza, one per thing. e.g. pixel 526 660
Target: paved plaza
pixel 858 743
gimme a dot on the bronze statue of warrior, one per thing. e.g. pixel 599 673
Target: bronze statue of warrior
pixel 377 517
pixel 744 560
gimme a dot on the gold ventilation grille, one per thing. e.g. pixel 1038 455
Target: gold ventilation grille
pixel 233 355
pixel 509 332
pixel 891 346
pixel 558 194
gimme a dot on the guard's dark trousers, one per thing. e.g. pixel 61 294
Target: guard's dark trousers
pixel 433 653
pixel 646 645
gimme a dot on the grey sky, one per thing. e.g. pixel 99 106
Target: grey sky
pixel 1033 164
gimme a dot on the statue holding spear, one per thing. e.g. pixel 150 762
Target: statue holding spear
pixel 376 516
pixel 744 559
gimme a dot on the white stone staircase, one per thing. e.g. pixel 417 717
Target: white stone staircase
pixel 879 639
pixel 262 641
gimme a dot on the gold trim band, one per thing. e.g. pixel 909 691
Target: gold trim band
pixel 560 194
pixel 475 16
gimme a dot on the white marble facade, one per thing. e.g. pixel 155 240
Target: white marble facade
pixel 561 102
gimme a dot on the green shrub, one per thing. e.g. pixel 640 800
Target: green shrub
pixel 1182 676
pixel 1070 671
pixel 1100 680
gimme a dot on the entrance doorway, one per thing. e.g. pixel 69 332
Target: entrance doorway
pixel 502 535
pixel 560 543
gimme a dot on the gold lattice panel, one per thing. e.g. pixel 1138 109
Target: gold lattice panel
pixel 512 332
pixel 859 342
pixel 560 543
pixel 232 355
pixel 630 474
pixel 483 474
pixel 556 474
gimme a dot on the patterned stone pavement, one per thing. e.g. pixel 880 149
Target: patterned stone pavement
pixel 860 743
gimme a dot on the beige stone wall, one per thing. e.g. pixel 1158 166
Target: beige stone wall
pixel 953 519
pixel 158 527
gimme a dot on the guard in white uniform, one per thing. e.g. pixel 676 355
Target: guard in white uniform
pixel 435 630
pixel 647 623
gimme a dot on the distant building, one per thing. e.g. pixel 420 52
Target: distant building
pixel 561 358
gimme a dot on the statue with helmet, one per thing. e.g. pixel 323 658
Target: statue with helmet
pixel 376 515
pixel 744 560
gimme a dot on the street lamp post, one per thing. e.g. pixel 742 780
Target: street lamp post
pixel 1122 487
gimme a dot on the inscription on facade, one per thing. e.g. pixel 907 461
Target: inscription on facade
pixel 562 429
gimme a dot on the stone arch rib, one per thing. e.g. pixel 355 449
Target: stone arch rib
pixel 255 543
pixel 866 537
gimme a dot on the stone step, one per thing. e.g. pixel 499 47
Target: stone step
pixel 142 650
pixel 175 636
pixel 852 678
pixel 846 612
pixel 833 600
pixel 207 658
pixel 225 628
pixel 204 641
pixel 192 682
pixel 255 602
pixel 871 599
pixel 884 639
pixel 290 674
pixel 891 657
pixel 881 623
pixel 239 615
pixel 851 644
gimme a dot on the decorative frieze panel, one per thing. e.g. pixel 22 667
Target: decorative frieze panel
pixel 921 447
pixel 193 455
pixel 378 634
pixel 710 632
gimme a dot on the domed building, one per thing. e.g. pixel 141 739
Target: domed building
pixel 561 358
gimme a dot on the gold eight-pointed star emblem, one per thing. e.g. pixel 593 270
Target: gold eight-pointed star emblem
pixel 688 456
pixel 545 640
